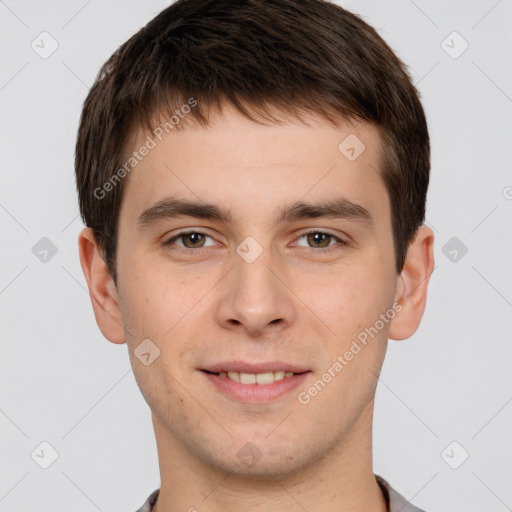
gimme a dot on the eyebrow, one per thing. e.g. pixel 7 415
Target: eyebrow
pixel 172 207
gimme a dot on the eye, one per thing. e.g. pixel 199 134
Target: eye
pixel 320 240
pixel 190 240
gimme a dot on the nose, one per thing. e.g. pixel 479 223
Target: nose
pixel 255 298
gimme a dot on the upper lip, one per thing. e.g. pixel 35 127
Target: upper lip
pixel 244 367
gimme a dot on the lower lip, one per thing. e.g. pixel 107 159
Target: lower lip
pixel 256 393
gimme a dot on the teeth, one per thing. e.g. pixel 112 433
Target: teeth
pixel 247 378
pixel 265 378
pixel 256 378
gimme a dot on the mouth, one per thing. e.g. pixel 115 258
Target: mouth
pixel 255 383
pixel 255 378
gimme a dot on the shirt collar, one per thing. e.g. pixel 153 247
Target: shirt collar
pixel 395 502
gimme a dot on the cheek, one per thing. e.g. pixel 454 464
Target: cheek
pixel 350 302
pixel 169 309
pixel 156 300
pixel 347 298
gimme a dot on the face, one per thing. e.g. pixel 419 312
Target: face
pixel 260 272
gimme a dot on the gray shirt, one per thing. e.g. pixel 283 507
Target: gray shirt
pixel 395 501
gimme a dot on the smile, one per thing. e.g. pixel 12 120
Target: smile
pixel 256 378
pixel 255 388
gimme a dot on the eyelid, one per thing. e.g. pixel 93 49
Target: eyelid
pixel 325 232
pixel 177 236
pixel 320 230
pixel 304 233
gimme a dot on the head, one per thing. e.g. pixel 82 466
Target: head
pixel 249 125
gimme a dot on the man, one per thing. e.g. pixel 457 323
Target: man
pixel 253 178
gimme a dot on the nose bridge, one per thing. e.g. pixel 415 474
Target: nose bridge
pixel 255 297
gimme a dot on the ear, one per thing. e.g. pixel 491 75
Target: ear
pixel 412 285
pixel 101 286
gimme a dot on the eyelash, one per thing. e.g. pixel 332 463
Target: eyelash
pixel 313 231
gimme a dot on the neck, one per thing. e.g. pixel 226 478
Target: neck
pixel 341 479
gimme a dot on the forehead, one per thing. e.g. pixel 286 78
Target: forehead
pixel 252 169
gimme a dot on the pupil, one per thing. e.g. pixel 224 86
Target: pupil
pixel 319 238
pixel 194 238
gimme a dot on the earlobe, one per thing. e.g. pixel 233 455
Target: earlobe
pixel 101 286
pixel 412 286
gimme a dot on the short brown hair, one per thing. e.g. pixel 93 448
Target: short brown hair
pixel 296 55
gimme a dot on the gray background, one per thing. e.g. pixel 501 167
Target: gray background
pixel 63 383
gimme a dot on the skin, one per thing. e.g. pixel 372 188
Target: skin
pixel 293 304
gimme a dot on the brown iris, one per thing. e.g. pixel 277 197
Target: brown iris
pixel 197 239
pixel 319 238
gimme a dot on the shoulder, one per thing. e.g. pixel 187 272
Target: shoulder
pixel 397 503
pixel 148 504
